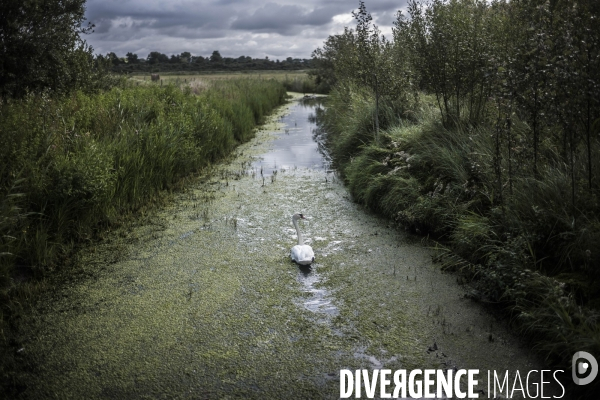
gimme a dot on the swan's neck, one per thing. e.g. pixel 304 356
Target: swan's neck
pixel 300 240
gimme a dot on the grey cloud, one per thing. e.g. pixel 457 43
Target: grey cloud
pixel 102 25
pixel 273 17
pixel 278 28
pixel 160 15
pixel 386 18
pixel 385 5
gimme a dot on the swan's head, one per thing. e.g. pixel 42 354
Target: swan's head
pixel 298 216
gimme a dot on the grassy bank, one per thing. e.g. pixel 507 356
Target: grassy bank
pixel 72 166
pixel 523 247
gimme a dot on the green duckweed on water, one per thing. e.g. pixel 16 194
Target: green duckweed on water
pixel 204 301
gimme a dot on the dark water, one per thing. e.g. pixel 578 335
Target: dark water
pixel 299 144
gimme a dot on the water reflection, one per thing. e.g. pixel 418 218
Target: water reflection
pixel 319 299
pixel 300 144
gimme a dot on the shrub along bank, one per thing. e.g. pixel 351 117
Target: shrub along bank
pixel 529 252
pixel 498 161
pixel 305 84
pixel 72 165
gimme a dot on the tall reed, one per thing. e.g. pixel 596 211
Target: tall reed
pixel 69 165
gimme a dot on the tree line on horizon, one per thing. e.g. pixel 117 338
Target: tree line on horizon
pixel 157 62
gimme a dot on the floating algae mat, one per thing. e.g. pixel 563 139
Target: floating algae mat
pixel 204 302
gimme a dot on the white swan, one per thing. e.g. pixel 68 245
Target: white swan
pixel 301 253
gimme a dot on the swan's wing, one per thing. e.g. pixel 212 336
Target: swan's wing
pixel 296 253
pixel 308 253
pixel 303 254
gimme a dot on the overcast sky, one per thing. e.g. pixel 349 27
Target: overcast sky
pixel 277 28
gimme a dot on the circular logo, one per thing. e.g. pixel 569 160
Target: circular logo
pixel 584 367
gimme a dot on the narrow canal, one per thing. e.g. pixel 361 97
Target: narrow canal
pixel 203 300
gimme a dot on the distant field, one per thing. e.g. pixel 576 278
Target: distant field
pixel 182 77
pixel 294 81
